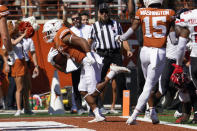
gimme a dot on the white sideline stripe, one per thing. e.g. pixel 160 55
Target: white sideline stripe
pixel 165 123
pixel 64 129
pixel 39 125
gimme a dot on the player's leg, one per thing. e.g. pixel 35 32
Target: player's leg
pixel 114 95
pixel 114 70
pixel 185 99
pixel 152 68
pixel 89 77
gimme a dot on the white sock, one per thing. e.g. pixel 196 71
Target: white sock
pixel 135 113
pixel 111 74
pixel 96 111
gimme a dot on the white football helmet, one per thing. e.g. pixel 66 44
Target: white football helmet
pixel 50 29
pixel 149 2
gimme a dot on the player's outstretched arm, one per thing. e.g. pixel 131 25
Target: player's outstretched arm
pixel 183 39
pixel 129 32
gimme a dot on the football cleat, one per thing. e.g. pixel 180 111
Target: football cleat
pixel 194 121
pixel 97 119
pixel 177 114
pixel 119 69
pixel 183 119
pixel 154 117
pixel 131 121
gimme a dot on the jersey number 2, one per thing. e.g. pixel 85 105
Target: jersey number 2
pixel 153 25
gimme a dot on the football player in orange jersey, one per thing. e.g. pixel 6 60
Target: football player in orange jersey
pixel 77 48
pixel 5 35
pixel 156 24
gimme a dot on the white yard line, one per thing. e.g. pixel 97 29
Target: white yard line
pixel 40 125
pixel 165 123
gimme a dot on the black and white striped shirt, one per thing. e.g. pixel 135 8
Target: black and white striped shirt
pixel 103 35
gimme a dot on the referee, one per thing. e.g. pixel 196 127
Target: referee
pixel 103 34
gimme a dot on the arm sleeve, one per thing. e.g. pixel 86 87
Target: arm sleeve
pixel 181 47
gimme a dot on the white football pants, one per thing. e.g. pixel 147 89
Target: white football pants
pixel 152 62
pixel 90 74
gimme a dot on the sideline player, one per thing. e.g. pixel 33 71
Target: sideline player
pixel 5 35
pixel 156 24
pixel 78 49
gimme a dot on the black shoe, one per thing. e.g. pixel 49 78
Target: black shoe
pixel 29 112
pixel 194 121
pixel 73 111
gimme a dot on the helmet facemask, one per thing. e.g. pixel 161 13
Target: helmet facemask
pixel 49 36
pixel 50 29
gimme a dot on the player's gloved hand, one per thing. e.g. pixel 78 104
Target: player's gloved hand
pixel 175 77
pixel 52 53
pixel 11 58
pixel 117 39
pixel 91 59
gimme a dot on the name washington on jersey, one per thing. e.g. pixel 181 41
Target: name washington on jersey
pixel 148 12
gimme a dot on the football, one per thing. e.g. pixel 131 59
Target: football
pixel 60 60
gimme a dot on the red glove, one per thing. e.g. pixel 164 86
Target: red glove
pixel 176 76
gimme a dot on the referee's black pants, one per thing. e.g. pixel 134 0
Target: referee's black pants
pixel 193 72
pixel 75 82
pixel 115 58
pixel 166 74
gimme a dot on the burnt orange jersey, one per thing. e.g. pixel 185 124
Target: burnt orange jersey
pixel 73 52
pixel 3 11
pixel 155 25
